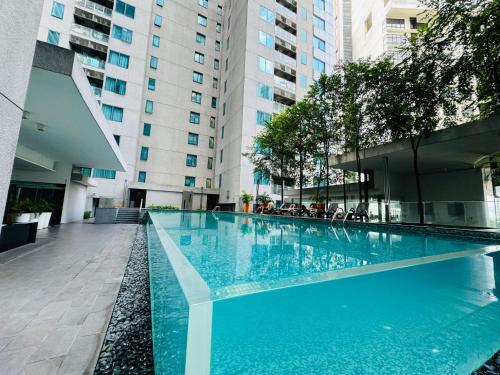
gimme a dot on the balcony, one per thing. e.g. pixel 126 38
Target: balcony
pixel 97 91
pixel 402 8
pixel 291 5
pixel 284 59
pixel 284 96
pixel 280 9
pixel 284 84
pixel 92 61
pixel 92 20
pixel 285 47
pixel 279 107
pixel 84 45
pixel 94 7
pixel 284 71
pixel 285 35
pixel 286 24
pixel 89 33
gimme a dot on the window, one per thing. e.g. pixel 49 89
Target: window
pixel 160 3
pixel 212 122
pixel 222 133
pixel 220 180
pixel 318 65
pixel 303 35
pixel 211 142
pixel 115 85
pixel 189 181
pixel 196 97
pixel 225 86
pixel 266 14
pixel 146 130
pixel 125 9
pixel 193 139
pixel 53 37
pixel 149 106
pixel 144 153
pixel 156 41
pixel 227 64
pixel 200 39
pixel 152 84
pixel 216 64
pixel 218 27
pixel 320 4
pixel 202 20
pixel 368 23
pixel 395 23
pixel 219 10
pixel 221 156
pixel 266 65
pixel 122 33
pixel 194 118
pixel 153 62
pixel 198 77
pixel 260 179
pixel 210 163
pixel 104 173
pixel 303 58
pixel 303 13
pixel 264 91
pixel 118 59
pixel 191 160
pixel 112 113
pixel 203 3
pixel 319 43
pixel 217 45
pixel 303 81
pixel 199 58
pixel 266 39
pixel 227 43
pixel 142 176
pixel 224 109
pixel 208 183
pixel 57 10
pixel 158 20
pixel 394 39
pixel 319 22
pixel 117 138
pixel 263 118
pixel 215 83
pixel 214 102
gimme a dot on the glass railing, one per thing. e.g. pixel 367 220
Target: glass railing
pixel 286 12
pixel 284 83
pixel 97 91
pixel 280 57
pixel 283 34
pixel 91 61
pixel 95 7
pixel 278 107
pixel 478 214
pixel 89 33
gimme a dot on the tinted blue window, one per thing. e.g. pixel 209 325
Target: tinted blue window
pixel 53 37
pixel 193 139
pixel 156 41
pixel 146 130
pixel 144 153
pixel 104 173
pixel 160 3
pixel 122 34
pixel 194 118
pixel 112 113
pixel 118 59
pixel 158 20
pixel 318 66
pixel 264 91
pixel 149 106
pixel 191 160
pixel 153 62
pixel 142 176
pixel 189 181
pixel 266 39
pixel 263 117
pixel 125 9
pixel 57 10
pixel 266 14
pixel 115 85
pixel 261 179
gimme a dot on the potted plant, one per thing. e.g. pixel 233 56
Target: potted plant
pixel 264 200
pixel 23 211
pixel 246 198
pixel 320 201
pixel 44 209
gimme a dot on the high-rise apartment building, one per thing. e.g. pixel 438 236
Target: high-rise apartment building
pixel 380 26
pixel 186 84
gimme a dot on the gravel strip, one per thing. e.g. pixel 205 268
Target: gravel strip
pixel 127 347
pixel 491 367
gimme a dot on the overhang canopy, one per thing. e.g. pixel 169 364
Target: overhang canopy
pixel 457 148
pixel 63 121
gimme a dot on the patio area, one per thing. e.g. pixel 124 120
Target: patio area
pixel 58 296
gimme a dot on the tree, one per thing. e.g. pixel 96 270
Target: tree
pixel 468 30
pixel 326 96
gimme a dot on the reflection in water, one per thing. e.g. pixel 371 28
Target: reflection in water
pixel 229 249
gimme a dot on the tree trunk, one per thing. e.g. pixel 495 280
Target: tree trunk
pixel 327 166
pixel 358 165
pixel 414 147
pixel 282 181
pixel 345 193
pixel 301 176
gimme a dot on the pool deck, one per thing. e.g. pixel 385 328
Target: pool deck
pixel 57 297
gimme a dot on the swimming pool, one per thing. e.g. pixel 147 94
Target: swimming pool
pixel 237 294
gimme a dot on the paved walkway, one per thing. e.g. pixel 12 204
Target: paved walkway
pixel 57 296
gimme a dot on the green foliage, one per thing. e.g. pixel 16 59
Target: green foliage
pixel 318 198
pixel 29 206
pixel 162 207
pixel 246 197
pixel 86 215
pixel 263 199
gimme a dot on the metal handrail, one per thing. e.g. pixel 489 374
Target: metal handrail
pixel 215 208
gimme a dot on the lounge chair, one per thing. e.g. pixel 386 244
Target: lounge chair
pixel 359 213
pixel 334 211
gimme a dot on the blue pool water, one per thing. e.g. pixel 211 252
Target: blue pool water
pixel 233 294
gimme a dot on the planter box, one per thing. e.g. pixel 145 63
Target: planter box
pixel 44 220
pixel 15 235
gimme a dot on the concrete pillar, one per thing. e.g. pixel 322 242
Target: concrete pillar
pixel 19 22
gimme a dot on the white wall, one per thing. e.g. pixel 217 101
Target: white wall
pixel 75 197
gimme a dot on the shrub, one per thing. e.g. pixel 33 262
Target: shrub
pixel 164 207
pixel 86 215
